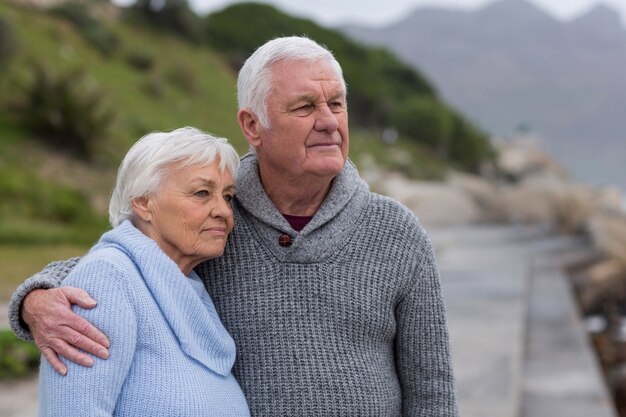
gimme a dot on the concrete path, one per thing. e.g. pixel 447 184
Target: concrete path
pixel 19 399
pixel 517 340
pixel 518 344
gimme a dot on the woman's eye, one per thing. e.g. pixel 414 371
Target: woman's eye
pixel 228 198
pixel 201 193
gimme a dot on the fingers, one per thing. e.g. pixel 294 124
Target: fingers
pixel 78 297
pixel 82 298
pixel 100 341
pixel 81 340
pixel 84 335
pixel 60 347
pixel 54 360
pixel 73 330
pixel 51 347
pixel 57 330
pixel 72 354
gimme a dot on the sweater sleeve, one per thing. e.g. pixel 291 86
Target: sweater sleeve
pixel 422 345
pixel 94 391
pixel 50 277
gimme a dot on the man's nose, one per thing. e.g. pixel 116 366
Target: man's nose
pixel 326 120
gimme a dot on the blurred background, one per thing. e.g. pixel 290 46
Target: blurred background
pixel 500 115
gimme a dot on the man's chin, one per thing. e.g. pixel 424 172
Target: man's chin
pixel 328 168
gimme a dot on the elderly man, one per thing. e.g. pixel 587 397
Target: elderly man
pixel 330 291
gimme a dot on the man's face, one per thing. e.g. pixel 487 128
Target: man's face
pixel 308 132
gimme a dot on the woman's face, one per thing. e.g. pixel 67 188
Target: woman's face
pixel 190 215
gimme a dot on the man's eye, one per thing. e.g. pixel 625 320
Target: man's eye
pixel 228 198
pixel 201 193
pixel 305 108
pixel 336 105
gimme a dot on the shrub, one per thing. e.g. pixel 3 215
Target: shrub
pixel 91 29
pixel 35 198
pixel 427 121
pixel 17 358
pixel 171 15
pixel 140 60
pixel 64 110
pixel 152 87
pixel 8 43
pixel 183 78
pixel 470 148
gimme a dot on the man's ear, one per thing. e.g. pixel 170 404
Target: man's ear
pixel 250 126
pixel 142 208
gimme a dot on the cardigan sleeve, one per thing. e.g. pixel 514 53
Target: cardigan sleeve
pixel 94 391
pixel 50 277
pixel 422 346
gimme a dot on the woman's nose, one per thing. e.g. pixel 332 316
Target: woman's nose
pixel 222 208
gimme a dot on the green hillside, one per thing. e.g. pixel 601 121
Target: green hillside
pixel 150 81
pixel 78 87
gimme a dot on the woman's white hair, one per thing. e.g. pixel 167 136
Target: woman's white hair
pixel 254 83
pixel 143 167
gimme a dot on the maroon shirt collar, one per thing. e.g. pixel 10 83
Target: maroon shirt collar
pixel 297 223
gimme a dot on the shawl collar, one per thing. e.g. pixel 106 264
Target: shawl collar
pixel 192 318
pixel 339 211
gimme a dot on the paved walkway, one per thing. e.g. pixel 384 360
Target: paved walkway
pixel 517 340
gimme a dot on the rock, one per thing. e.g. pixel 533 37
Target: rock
pixel 608 231
pixel 434 203
pixel 522 157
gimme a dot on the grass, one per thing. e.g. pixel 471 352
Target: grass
pixel 59 46
pixel 19 262
pixel 17 358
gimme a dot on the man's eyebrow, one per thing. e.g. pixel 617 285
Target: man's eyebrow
pixel 311 98
pixel 338 94
pixel 303 97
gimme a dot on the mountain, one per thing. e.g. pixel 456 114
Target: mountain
pixel 511 66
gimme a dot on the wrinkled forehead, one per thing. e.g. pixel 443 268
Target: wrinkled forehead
pixel 291 68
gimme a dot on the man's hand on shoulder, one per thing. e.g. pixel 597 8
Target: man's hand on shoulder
pixel 57 330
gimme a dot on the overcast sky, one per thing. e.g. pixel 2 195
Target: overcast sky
pixel 380 12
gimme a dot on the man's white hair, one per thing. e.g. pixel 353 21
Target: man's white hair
pixel 254 83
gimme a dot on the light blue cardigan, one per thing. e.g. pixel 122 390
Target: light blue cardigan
pixel 169 355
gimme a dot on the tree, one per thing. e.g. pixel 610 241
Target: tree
pixel 172 15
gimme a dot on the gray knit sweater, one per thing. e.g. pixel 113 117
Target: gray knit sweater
pixel 346 321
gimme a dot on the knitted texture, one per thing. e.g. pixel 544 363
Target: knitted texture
pixel 167 342
pixel 347 321
pixel 50 277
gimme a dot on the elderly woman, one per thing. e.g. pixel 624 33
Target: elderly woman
pixel 170 354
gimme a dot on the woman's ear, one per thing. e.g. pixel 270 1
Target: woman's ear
pixel 142 208
pixel 250 126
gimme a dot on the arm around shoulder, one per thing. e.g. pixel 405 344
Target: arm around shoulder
pixel 50 277
pixel 94 391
